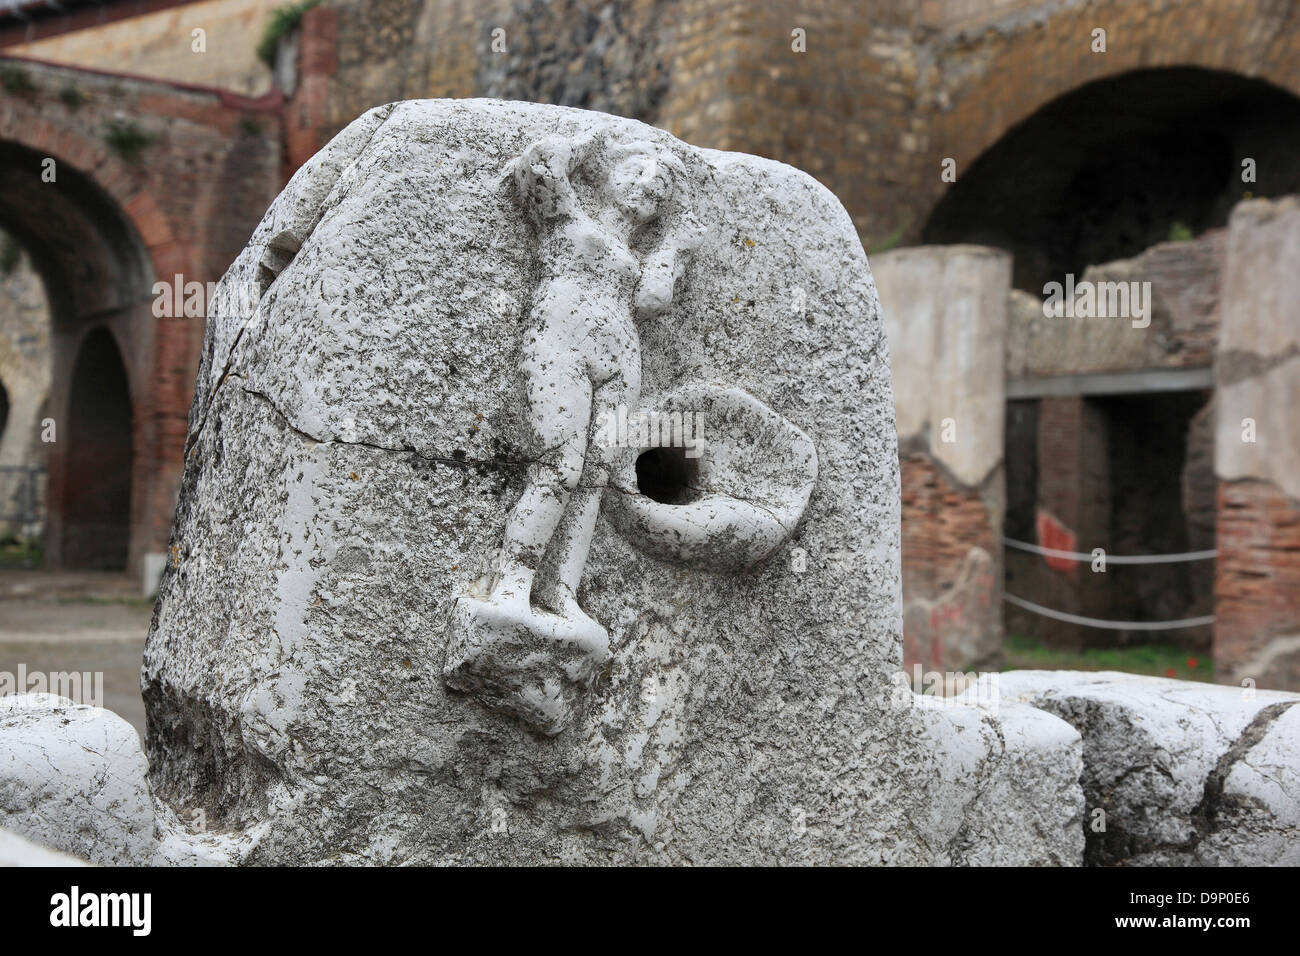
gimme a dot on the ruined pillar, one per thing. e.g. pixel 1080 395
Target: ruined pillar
pixel 945 311
pixel 1257 450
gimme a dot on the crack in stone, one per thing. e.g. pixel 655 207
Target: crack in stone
pixel 1117 847
pixel 1237 365
pixel 496 462
pixel 1205 813
pixel 384 113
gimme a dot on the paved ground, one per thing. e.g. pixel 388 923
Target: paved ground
pixel 82 622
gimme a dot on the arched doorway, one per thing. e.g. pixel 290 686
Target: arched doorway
pixel 1110 445
pixel 96 276
pixel 1117 165
pixel 97 483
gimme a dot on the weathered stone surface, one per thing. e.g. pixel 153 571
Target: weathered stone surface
pixel 24 379
pixel 1259 280
pixel 1030 807
pixel 361 441
pixel 1273 454
pixel 1186 773
pixel 946 315
pixel 72 778
pixel 1258 365
pixel 1257 449
pixel 15 851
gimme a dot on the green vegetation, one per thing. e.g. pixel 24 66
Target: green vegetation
pixel 127 139
pixel 21 552
pixel 891 240
pixel 15 79
pixel 1158 660
pixel 1180 232
pixel 71 97
pixel 283 22
pixel 10 254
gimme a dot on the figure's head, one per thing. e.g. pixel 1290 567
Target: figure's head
pixel 641 179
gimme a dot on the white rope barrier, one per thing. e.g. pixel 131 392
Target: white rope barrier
pixel 1114 558
pixel 1108 625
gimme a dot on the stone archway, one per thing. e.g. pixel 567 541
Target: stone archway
pixel 993 71
pixel 122 189
pixel 1110 168
pixel 95 264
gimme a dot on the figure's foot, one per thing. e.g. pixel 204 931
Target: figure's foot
pixel 513 595
pixel 563 603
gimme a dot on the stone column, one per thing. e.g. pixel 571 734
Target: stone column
pixel 1257 450
pixel 945 310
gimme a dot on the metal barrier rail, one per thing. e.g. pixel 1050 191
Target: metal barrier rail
pixel 1175 558
pixel 1107 625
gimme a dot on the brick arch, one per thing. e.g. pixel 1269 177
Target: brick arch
pixel 1158 150
pixel 24 126
pixel 98 244
pixel 1022 70
pixel 116 228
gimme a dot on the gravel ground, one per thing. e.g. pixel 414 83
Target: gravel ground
pixel 100 633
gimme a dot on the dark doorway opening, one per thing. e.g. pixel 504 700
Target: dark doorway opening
pixel 1131 474
pixel 97 493
pixel 1161 468
pixel 1117 165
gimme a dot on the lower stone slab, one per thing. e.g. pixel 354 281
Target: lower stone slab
pixel 72 778
pixel 1178 773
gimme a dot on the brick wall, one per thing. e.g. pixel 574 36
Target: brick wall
pixel 884 92
pixel 941 523
pixel 1257 586
pixel 153 180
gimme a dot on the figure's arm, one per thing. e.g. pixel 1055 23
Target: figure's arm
pixel 543 171
pixel 665 267
pixel 684 240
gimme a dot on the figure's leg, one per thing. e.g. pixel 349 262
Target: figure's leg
pixel 571 544
pixel 572 540
pixel 560 410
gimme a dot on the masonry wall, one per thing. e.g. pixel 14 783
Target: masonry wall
pixel 885 91
pixel 1181 319
pixel 872 97
pixel 945 314
pixel 1257 450
pixel 162 43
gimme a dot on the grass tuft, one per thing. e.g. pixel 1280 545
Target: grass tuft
pixel 1153 660
pixel 283 22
